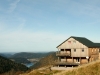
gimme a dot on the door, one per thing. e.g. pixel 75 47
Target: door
pixel 77 60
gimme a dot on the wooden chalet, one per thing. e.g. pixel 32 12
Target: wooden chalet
pixel 76 51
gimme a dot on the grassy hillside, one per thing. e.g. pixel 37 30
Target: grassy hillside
pixel 46 61
pixel 7 65
pixel 41 72
pixel 92 68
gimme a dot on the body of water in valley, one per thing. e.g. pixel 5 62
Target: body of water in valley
pixel 29 64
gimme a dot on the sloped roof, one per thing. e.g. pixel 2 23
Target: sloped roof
pixel 97 44
pixel 84 41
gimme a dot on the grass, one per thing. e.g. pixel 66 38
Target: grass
pixel 88 70
pixel 41 72
pixel 92 68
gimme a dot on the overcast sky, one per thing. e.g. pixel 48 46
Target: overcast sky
pixel 41 25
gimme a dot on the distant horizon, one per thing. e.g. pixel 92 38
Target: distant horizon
pixel 29 52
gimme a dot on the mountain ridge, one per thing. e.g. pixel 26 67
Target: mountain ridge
pixel 30 55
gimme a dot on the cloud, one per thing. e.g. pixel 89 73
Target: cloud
pixel 13 5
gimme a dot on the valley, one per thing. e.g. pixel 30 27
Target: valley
pixel 30 60
pixel 41 66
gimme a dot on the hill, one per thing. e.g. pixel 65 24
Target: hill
pixel 20 60
pixel 6 55
pixel 46 61
pixel 29 55
pixel 7 65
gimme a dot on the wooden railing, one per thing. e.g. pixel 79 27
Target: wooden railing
pixel 59 53
pixel 66 63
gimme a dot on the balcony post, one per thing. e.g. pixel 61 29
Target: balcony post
pixel 72 59
pixel 58 65
pixel 80 59
pixel 65 59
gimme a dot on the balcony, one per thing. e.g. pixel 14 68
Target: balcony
pixel 60 53
pixel 66 63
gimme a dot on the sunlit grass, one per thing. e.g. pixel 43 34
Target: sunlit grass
pixel 88 69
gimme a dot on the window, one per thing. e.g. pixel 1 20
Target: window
pixel 74 50
pixel 62 49
pixel 82 50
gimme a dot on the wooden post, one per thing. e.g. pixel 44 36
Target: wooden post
pixel 80 60
pixel 58 65
pixel 58 59
pixel 72 60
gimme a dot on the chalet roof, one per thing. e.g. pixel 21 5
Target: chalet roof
pixel 97 44
pixel 84 41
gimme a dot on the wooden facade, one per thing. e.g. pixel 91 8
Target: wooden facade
pixel 75 51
